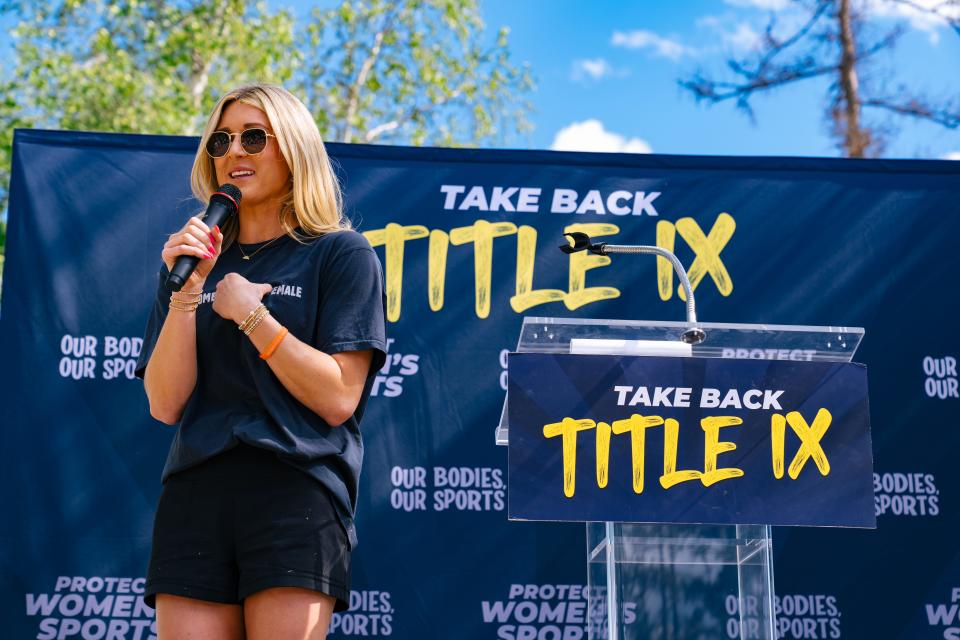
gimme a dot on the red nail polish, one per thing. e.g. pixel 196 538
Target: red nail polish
pixel 216 228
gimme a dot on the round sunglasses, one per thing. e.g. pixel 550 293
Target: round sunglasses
pixel 253 141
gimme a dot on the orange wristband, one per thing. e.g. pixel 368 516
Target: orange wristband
pixel 277 339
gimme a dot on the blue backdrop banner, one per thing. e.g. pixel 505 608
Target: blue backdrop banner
pixel 468 240
pixel 598 438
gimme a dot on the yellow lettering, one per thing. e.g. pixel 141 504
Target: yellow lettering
pixel 810 437
pixel 393 237
pixel 603 454
pixel 526 295
pixel 671 477
pixel 666 234
pixel 568 428
pixel 713 447
pixel 778 430
pixel 437 268
pixel 581 262
pixel 481 233
pixel 637 425
pixel 707 249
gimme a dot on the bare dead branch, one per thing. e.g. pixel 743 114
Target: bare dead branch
pixel 883 44
pixel 764 73
pixel 919 108
pixel 718 91
pixel 832 41
pixel 775 47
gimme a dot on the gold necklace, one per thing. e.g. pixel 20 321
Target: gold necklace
pixel 259 249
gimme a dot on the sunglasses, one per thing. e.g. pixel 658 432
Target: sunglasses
pixel 253 141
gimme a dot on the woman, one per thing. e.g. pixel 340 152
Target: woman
pixel 265 359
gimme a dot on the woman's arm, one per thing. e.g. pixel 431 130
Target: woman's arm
pixel 171 372
pixel 329 385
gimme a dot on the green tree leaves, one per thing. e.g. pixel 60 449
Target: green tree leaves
pixel 415 72
pixel 412 71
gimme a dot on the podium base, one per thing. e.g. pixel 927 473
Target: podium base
pixel 650 581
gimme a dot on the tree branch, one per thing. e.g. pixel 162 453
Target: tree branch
pixel 373 133
pixel 886 42
pixel 353 99
pixel 775 47
pixel 917 108
pixel 200 66
pixel 718 91
pixel 855 138
pixel 764 74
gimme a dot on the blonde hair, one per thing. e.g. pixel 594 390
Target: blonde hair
pixel 314 202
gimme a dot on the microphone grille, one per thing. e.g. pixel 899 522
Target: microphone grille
pixel 231 190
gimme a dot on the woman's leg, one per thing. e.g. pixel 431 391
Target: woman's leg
pixel 287 613
pixel 180 618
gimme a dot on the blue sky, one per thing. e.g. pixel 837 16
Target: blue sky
pixel 607 74
pixel 637 97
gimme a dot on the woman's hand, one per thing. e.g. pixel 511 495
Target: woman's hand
pixel 194 239
pixel 237 297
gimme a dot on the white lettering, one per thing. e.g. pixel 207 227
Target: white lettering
pixel 564 201
pixel 451 191
pixel 613 203
pixel 475 198
pixel 644 203
pixel 529 200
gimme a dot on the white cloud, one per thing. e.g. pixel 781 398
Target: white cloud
pixel 741 32
pixel 736 36
pixel 590 135
pixel 659 45
pixel 953 155
pixel 929 16
pixel 766 5
pixel 926 21
pixel 595 68
pixel 743 37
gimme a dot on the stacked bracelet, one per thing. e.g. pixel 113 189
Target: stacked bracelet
pixel 250 316
pixel 185 300
pixel 253 319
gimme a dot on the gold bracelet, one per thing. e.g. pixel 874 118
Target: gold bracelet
pixel 186 296
pixel 189 304
pixel 255 316
pixel 250 316
pixel 256 323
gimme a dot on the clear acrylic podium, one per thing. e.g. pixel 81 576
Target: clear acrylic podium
pixel 680 581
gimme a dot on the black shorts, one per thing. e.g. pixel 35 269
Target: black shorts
pixel 242 522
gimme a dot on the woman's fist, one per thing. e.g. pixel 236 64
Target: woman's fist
pixel 237 297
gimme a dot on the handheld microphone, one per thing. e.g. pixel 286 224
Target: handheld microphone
pixel 223 205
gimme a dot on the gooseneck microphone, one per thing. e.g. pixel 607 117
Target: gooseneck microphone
pixel 223 205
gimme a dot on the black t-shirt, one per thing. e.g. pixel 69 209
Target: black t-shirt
pixel 329 293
